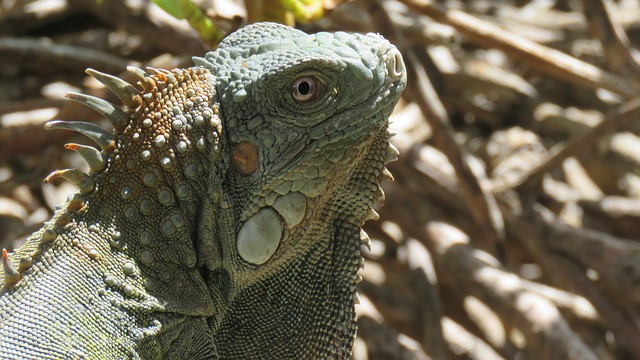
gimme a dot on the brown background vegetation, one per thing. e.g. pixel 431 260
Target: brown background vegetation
pixel 511 230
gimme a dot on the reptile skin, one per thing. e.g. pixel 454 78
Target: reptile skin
pixel 222 216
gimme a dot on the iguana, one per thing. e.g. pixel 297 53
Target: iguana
pixel 221 218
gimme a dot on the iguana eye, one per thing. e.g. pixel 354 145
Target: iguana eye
pixel 306 89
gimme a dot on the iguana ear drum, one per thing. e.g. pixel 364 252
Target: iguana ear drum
pixel 260 236
pixel 244 158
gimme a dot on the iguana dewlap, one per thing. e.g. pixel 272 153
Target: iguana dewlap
pixel 221 218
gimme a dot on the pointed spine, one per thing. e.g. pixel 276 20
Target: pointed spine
pixel 366 241
pixel 75 203
pixel 372 215
pixel 105 140
pixel 163 76
pixel 145 82
pixel 91 155
pixel 356 298
pixel 137 72
pixel 127 93
pixel 11 275
pixel 115 115
pixel 85 183
pixel 387 175
pixel 380 196
pixel 392 153
pixel 157 72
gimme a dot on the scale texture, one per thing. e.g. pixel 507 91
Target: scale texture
pixel 221 217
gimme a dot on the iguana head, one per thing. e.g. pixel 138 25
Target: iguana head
pixel 305 146
pixel 302 115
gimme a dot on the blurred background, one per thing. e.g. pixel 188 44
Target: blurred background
pixel 511 230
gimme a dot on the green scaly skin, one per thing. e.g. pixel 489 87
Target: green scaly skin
pixel 225 220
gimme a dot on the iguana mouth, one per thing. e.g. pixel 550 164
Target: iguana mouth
pixel 366 125
pixel 377 108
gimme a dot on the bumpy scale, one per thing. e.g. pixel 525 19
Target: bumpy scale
pixel 222 217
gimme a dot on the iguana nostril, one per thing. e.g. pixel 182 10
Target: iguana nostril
pixel 244 158
pixel 395 64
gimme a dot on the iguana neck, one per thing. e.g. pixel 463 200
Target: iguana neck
pixel 289 285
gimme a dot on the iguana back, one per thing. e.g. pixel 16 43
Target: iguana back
pixel 221 218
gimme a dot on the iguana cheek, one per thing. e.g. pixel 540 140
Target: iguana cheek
pixel 260 236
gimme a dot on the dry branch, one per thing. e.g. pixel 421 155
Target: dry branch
pixel 482 205
pixel 544 59
pixel 616 119
pixel 464 269
pixel 44 54
pixel 146 19
pixel 620 55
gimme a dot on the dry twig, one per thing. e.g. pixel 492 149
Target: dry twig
pixel 544 59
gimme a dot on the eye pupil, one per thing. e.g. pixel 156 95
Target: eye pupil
pixel 306 89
